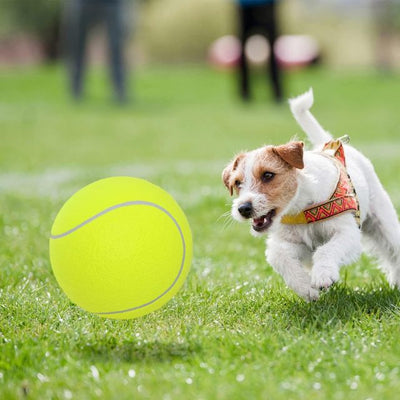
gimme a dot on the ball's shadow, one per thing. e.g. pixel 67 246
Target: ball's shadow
pixel 131 351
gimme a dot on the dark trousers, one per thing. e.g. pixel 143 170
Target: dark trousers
pixel 258 19
pixel 82 16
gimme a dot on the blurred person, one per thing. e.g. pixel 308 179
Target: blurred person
pixel 386 14
pixel 81 17
pixel 258 16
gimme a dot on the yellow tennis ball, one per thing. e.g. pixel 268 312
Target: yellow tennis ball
pixel 121 247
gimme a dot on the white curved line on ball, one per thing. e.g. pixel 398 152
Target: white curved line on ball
pixel 133 203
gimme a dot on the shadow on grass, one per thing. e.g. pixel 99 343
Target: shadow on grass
pixel 136 351
pixel 342 304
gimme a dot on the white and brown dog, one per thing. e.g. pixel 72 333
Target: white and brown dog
pixel 317 206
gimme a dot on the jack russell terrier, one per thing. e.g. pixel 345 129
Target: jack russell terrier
pixel 316 206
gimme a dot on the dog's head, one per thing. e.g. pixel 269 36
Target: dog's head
pixel 265 181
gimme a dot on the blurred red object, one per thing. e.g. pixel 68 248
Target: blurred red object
pixel 294 51
pixel 225 52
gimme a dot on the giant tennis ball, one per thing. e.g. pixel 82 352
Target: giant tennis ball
pixel 121 247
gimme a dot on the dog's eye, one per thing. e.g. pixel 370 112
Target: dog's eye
pixel 238 183
pixel 267 176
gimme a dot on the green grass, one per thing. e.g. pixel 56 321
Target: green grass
pixel 234 331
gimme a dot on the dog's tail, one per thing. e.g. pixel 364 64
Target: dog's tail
pixel 300 107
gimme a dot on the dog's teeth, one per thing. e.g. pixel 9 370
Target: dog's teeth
pixel 259 221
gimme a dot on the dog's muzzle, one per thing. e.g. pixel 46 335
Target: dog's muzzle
pixel 261 223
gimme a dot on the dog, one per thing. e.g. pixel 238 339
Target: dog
pixel 320 208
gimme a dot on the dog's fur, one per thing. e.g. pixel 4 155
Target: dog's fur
pixel 276 180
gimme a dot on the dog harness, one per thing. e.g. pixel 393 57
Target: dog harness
pixel 343 199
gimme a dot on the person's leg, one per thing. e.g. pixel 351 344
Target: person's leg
pixel 77 32
pixel 116 47
pixel 243 69
pixel 273 67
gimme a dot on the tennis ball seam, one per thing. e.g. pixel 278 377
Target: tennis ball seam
pixel 127 204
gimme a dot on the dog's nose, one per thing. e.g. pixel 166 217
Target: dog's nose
pixel 245 209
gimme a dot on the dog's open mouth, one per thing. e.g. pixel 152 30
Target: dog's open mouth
pixel 262 223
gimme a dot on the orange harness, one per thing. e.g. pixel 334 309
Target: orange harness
pixel 343 199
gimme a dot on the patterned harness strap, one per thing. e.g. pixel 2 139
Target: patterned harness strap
pixel 343 199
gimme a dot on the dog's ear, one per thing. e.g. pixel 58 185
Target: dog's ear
pixel 292 153
pixel 227 172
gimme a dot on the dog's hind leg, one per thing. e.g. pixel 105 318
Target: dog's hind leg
pixel 381 229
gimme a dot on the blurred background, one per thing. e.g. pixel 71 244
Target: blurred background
pixel 355 33
pixel 348 32
pixel 216 34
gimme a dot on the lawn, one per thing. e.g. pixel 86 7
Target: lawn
pixel 234 331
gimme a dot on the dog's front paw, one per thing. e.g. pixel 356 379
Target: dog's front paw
pixel 324 277
pixel 305 290
pixel 312 295
pixel 309 294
